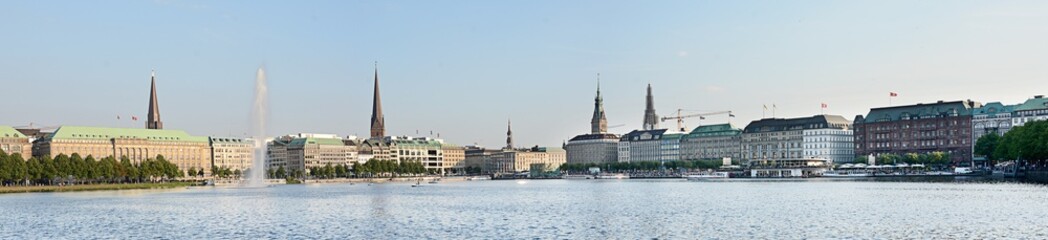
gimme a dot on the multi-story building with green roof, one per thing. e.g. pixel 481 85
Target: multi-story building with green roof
pixel 178 147
pixel 525 160
pixel 1034 109
pixel 712 142
pixel 991 117
pixel 14 142
pixel 232 153
pixel 921 128
pixel 303 151
pixel 820 136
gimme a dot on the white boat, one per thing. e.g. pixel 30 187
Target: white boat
pixel 577 177
pixel 834 174
pixel 707 176
pixel 613 176
pixel 477 178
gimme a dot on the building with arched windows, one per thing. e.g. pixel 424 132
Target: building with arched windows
pixel 176 146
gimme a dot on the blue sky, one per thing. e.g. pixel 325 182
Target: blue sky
pixel 461 68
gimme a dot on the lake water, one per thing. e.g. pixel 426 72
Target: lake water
pixel 544 209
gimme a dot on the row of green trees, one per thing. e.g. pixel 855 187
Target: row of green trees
pixel 64 169
pixel 1028 142
pixel 642 165
pixel 373 168
pixel 389 168
pixel 932 158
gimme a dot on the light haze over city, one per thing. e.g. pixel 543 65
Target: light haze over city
pixel 462 69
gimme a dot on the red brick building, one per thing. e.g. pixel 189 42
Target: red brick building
pixel 922 128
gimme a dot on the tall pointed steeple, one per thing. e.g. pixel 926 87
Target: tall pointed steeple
pixel 651 121
pixel 599 123
pixel 378 122
pixel 509 134
pixel 153 119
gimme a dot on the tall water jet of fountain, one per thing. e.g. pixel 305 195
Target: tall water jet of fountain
pixel 259 114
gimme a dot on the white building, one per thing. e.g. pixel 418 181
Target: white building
pixel 649 145
pixel 1034 109
pixel 833 144
pixel 777 138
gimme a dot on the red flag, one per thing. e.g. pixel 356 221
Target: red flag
pixel 893 94
pixel 825 106
pixel 133 118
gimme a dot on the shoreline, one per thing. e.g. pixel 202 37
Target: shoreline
pixel 93 187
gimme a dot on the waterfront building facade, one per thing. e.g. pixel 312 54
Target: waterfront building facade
pixel 522 160
pixel 232 153
pixel 778 138
pixel 454 158
pixel 598 146
pixel 14 142
pixel 477 157
pixel 1034 109
pixel 921 128
pixel 428 151
pixel 837 145
pixel 712 142
pixel 641 146
pixel 276 153
pixel 992 117
pixel 311 151
pixel 177 147
pixel 593 148
pixel 669 146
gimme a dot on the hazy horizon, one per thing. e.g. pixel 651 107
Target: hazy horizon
pixel 463 68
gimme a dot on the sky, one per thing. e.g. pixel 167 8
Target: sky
pixel 464 68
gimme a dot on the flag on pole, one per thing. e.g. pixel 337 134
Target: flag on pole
pixel 133 118
pixel 893 94
pixel 765 106
pixel 117 117
pixel 825 106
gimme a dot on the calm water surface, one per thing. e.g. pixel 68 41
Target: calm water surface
pixel 548 209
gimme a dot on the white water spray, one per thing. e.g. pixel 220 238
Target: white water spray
pixel 259 114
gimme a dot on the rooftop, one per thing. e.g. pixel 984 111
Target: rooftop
pixel 804 123
pixel 725 129
pixel 102 133
pixel 9 132
pixel 922 110
pixel 594 137
pixel 298 142
pixel 1036 103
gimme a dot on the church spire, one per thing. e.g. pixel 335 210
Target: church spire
pixel 153 119
pixel 378 121
pixel 509 134
pixel 599 123
pixel 651 121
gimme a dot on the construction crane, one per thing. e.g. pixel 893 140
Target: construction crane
pixel 702 116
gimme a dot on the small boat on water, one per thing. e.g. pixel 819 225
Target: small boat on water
pixel 478 178
pixel 844 174
pixel 613 176
pixel 577 177
pixel 707 176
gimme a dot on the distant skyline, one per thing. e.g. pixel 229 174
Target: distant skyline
pixel 461 68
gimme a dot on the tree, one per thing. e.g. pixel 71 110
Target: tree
pixel 281 173
pixel 987 145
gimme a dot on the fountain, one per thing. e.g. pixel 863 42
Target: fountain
pixel 259 114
